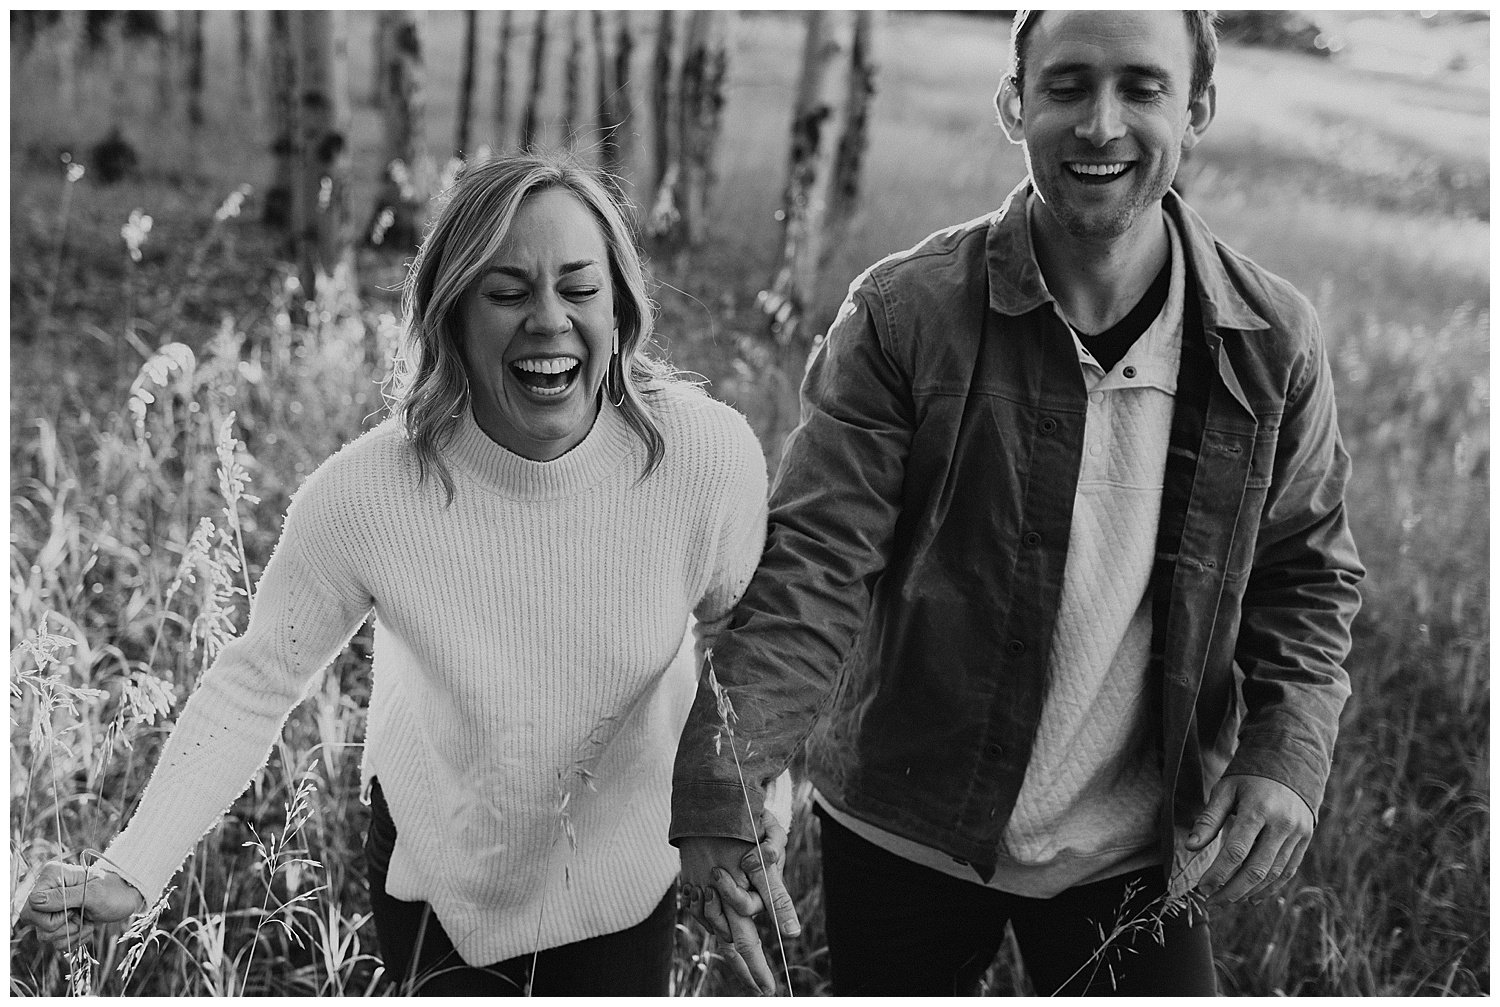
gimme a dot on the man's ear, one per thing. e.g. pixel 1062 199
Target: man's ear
pixel 1200 114
pixel 1008 103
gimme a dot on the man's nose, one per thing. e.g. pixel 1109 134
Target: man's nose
pixel 1102 121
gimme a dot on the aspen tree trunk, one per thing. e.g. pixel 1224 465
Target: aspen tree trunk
pixel 321 156
pixel 572 85
pixel 505 126
pixel 384 42
pixel 244 48
pixel 624 112
pixel 531 127
pixel 192 30
pixel 604 104
pixel 664 214
pixel 406 176
pixel 849 164
pixel 466 85
pixel 705 71
pixel 68 36
pixel 166 75
pixel 816 127
pixel 281 78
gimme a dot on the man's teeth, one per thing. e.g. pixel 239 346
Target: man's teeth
pixel 1099 169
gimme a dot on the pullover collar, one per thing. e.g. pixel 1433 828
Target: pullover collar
pixel 502 472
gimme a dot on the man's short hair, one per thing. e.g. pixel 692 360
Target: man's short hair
pixel 1201 29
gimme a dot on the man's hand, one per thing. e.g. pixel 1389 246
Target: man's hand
pixel 1264 846
pixel 69 902
pixel 727 883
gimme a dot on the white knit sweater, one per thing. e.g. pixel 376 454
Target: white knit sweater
pixel 531 675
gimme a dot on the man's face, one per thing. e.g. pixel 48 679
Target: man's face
pixel 1105 115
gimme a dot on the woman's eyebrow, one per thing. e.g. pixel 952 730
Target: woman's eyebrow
pixel 524 274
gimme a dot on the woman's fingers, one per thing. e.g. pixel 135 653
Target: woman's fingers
pixel 763 867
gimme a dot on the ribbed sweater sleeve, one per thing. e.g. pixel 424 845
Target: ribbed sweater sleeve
pixel 307 606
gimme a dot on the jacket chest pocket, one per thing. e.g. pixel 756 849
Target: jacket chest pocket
pixel 1248 481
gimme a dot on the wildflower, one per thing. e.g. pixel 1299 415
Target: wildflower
pixel 156 373
pixel 232 204
pixel 134 232
pixel 75 172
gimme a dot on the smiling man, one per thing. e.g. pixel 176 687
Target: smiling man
pixel 1058 584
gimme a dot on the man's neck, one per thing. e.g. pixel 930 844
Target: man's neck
pixel 1097 283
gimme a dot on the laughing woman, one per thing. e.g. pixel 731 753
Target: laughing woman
pixel 532 530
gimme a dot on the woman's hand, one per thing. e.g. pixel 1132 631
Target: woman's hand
pixel 727 882
pixel 68 902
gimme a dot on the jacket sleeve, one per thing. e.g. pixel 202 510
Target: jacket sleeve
pixel 1301 597
pixel 832 517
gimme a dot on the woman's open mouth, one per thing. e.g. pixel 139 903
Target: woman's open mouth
pixel 547 376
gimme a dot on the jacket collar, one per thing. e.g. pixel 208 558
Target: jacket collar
pixel 1016 280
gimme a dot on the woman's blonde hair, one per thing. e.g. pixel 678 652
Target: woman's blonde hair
pixel 430 384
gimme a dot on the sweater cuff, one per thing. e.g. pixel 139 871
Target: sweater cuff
pixel 714 809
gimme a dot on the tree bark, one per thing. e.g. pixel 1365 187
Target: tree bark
pixel 572 115
pixel 166 76
pixel 817 124
pixel 192 29
pixel 531 127
pixel 321 156
pixel 505 126
pixel 849 164
pixel 624 111
pixel 406 176
pixel 664 99
pixel 604 104
pixel 466 85
pixel 705 71
pixel 244 39
pixel 281 77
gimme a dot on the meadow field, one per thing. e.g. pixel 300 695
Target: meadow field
pixel 163 407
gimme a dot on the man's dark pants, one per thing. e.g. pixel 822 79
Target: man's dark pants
pixel 895 927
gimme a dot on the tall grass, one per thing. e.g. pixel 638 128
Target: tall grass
pixel 121 450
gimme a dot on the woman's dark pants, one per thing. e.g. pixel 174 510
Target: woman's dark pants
pixel 420 959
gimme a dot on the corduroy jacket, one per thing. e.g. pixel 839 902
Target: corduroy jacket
pixel 900 620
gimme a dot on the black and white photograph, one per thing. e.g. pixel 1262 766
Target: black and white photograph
pixel 646 503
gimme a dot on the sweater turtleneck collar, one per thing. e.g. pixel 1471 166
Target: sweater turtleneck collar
pixel 501 471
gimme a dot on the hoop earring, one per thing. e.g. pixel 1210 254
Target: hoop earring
pixel 616 369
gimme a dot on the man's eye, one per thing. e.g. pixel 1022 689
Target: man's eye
pixel 1144 94
pixel 1064 93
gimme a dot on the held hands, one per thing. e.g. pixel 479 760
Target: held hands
pixel 68 902
pixel 727 882
pixel 1265 845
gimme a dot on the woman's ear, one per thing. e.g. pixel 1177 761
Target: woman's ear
pixel 1008 104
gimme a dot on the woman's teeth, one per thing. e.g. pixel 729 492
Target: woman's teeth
pixel 546 375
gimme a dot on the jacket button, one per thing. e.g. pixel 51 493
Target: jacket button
pixel 1015 648
pixel 1048 425
pixel 994 751
pixel 1032 538
pixel 1129 372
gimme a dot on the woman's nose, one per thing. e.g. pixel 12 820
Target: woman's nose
pixel 548 316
